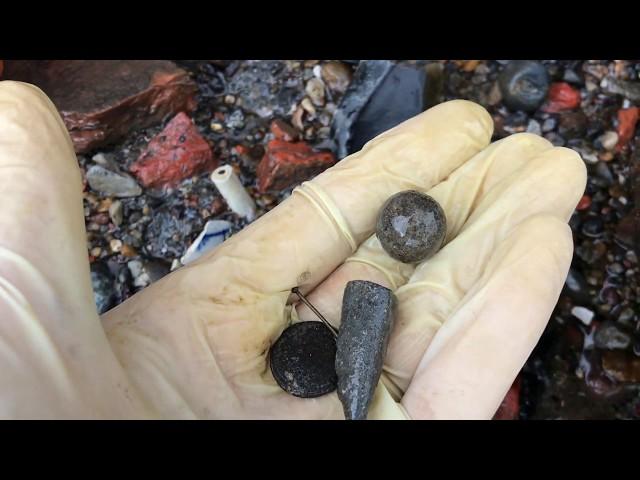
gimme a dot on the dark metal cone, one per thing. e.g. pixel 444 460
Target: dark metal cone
pixel 367 318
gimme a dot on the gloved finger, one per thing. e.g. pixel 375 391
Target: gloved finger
pixel 53 351
pixel 550 183
pixel 457 195
pixel 476 355
pixel 306 237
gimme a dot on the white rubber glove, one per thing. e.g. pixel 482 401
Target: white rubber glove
pixel 195 344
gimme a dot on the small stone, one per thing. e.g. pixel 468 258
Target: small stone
pixel 115 245
pixel 584 203
pixel 337 76
pixel 128 251
pixel 111 183
pixel 627 120
pixel 524 85
pixel 315 90
pixel 286 164
pixel 593 227
pixel 621 366
pixel 303 360
pixel 176 153
pixel 308 106
pixel 175 264
pixel 236 120
pixel 609 337
pixel 216 126
pixel 576 286
pixel 583 314
pixel 103 287
pixel 626 316
pixel 116 212
pixel 608 140
pixel 534 127
pixel 570 76
pixel 283 131
pixel 229 99
pixel 630 90
pixel 296 118
pixel 95 252
pixel 367 319
pixel 573 124
pixel 104 205
pixel 411 226
pixel 495 95
pixel 549 124
pixel 562 96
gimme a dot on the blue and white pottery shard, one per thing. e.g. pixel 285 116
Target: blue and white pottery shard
pixel 213 234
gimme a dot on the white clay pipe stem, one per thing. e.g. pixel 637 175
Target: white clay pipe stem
pixel 229 186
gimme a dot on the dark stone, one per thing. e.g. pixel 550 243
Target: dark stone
pixel 303 360
pixel 573 124
pixel 103 287
pixel 524 85
pixel 609 336
pixel 169 233
pixel 411 226
pixel 367 318
pixel 630 90
pixel 102 101
pixel 381 96
pixel 593 227
pixel 576 286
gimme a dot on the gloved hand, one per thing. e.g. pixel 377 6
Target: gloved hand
pixel 195 344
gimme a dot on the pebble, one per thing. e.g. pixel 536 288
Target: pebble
pixel 111 183
pixel 572 124
pixel 236 120
pixel 308 106
pixel 411 226
pixel 549 124
pixel 576 285
pixel 303 360
pixel 593 227
pixel 626 316
pixel 103 287
pixel 115 245
pixel 116 212
pixel 524 85
pixel 366 322
pixel 608 140
pixel 337 76
pixel 315 90
pixel 534 127
pixel 608 336
pixel 583 314
pixel 621 366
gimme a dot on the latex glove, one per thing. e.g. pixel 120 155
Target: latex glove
pixel 195 344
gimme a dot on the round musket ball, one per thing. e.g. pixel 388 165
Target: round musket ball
pixel 411 226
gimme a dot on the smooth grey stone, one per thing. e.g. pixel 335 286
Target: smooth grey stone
pixel 367 318
pixel 112 183
pixel 411 226
pixel 524 85
pixel 610 337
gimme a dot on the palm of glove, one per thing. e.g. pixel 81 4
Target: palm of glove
pixel 195 344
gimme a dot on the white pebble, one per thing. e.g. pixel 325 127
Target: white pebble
pixel 583 314
pixel 534 127
pixel 609 140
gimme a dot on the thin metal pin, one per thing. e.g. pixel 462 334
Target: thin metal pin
pixel 333 329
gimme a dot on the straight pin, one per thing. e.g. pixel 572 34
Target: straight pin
pixel 333 329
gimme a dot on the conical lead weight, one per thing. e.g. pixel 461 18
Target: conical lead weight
pixel 367 318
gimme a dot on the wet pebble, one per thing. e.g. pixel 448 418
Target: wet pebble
pixel 411 226
pixel 609 336
pixel 315 90
pixel 583 314
pixel 337 76
pixel 576 285
pixel 524 85
pixel 572 124
pixel 534 127
pixel 112 183
pixel 608 140
pixel 549 124
pixel 103 287
pixel 116 212
pixel 593 227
